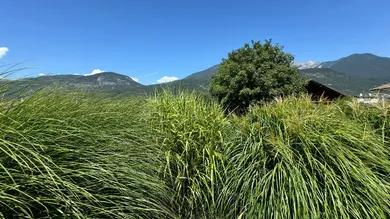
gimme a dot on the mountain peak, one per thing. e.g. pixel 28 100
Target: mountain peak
pixel 365 65
pixel 107 73
pixel 364 54
pixel 308 64
pixel 110 78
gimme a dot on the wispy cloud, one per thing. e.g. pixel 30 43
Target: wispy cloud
pixel 154 73
pixel 94 72
pixel 166 79
pixel 135 79
pixel 3 51
pixel 42 74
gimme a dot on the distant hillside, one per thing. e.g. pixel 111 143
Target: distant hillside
pixel 364 65
pixel 204 75
pixel 104 82
pixel 196 81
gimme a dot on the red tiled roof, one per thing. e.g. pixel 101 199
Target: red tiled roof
pixel 382 87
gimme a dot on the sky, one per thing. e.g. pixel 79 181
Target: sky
pixel 157 41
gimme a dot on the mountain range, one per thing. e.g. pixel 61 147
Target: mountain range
pixel 350 75
pixel 364 65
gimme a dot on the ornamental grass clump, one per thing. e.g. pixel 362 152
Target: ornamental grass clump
pixel 192 130
pixel 376 115
pixel 296 159
pixel 79 155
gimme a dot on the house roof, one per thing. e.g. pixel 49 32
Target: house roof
pixel 382 87
pixel 326 87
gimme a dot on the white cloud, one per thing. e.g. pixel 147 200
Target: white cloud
pixel 94 72
pixel 41 74
pixel 135 79
pixel 3 51
pixel 166 79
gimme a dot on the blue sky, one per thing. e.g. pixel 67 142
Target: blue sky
pixel 174 38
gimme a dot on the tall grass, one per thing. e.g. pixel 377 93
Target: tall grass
pixel 73 155
pixel 296 159
pixel 191 130
pixel 178 155
pixel 377 115
pixel 289 159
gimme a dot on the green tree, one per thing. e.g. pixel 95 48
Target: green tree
pixel 255 73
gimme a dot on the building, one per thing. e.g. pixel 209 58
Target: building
pixel 383 88
pixel 318 91
pixel 382 92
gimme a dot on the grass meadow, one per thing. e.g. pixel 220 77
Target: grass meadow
pixel 83 155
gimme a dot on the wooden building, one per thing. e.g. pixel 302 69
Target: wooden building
pixel 318 90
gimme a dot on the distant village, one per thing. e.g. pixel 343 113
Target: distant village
pixel 381 93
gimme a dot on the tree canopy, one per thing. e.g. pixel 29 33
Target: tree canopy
pixel 255 73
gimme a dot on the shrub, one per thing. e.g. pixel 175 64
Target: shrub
pixel 255 73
